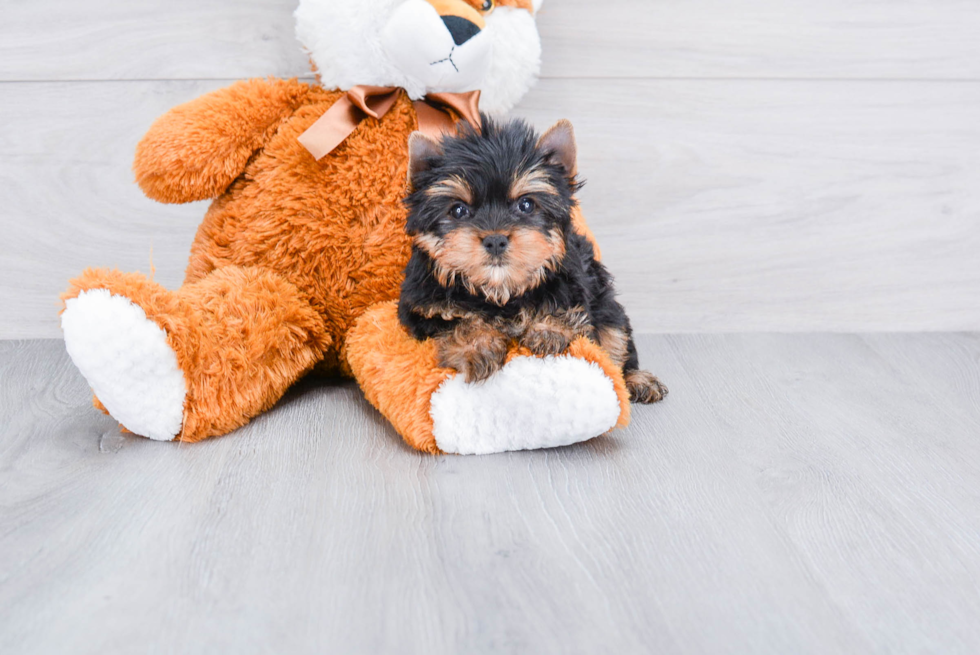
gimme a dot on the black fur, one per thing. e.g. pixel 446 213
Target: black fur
pixel 488 161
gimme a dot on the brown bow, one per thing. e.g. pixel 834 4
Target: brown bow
pixel 434 117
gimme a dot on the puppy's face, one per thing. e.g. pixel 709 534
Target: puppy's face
pixel 492 209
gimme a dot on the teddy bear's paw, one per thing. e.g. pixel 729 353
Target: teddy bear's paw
pixel 126 359
pixel 530 403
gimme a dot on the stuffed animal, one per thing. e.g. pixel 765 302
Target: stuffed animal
pixel 298 262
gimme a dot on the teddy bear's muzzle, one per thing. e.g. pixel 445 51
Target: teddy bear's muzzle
pixel 460 29
pixel 441 43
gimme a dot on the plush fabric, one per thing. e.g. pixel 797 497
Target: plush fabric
pixel 128 361
pixel 531 403
pixel 503 65
pixel 241 336
pixel 294 253
pixel 333 228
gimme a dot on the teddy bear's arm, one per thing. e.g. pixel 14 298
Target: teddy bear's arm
pixel 195 150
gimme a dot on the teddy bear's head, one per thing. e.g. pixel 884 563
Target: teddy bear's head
pixel 425 46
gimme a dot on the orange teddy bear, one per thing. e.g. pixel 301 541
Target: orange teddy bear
pixel 298 262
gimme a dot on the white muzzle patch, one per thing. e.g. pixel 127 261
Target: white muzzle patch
pixel 421 44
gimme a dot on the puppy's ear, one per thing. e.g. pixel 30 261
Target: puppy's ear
pixel 558 144
pixel 422 151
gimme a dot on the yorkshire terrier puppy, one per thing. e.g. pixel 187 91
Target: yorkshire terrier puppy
pixel 495 258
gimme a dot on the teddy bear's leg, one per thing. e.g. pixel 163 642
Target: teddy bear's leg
pixel 192 363
pixel 530 403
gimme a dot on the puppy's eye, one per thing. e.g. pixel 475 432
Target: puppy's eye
pixel 525 205
pixel 459 211
pixel 488 6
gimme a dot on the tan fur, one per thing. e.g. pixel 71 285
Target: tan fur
pixel 533 181
pixel 644 387
pixel 614 341
pixel 453 187
pixel 551 333
pixel 475 348
pixel 542 332
pixel 477 338
pixel 461 256
pixel 446 311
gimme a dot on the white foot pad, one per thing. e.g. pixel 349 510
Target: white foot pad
pixel 127 361
pixel 530 403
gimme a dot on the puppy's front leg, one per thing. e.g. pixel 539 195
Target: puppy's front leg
pixel 642 385
pixel 551 334
pixel 474 348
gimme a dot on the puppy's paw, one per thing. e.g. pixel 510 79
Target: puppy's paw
pixel 551 334
pixel 481 365
pixel 644 387
pixel 542 340
pixel 476 351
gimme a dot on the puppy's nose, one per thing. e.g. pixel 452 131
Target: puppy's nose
pixel 496 244
pixel 460 29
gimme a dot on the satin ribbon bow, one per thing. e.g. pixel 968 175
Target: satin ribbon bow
pixel 434 117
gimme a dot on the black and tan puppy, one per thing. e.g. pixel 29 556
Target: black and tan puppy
pixel 495 258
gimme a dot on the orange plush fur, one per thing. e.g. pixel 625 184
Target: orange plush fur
pixel 407 373
pixel 241 336
pixel 290 254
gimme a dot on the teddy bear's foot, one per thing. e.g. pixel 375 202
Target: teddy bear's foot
pixel 126 359
pixel 530 403
pixel 193 363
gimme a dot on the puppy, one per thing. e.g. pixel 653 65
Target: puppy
pixel 495 258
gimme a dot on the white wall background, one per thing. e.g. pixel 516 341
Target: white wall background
pixel 775 165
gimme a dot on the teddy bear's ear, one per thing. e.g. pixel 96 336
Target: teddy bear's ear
pixel 558 144
pixel 422 151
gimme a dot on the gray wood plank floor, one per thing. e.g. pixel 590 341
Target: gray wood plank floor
pixel 794 494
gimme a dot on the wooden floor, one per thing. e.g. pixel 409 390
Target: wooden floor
pixel 794 494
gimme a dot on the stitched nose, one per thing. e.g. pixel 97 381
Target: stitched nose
pixel 460 29
pixel 496 244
